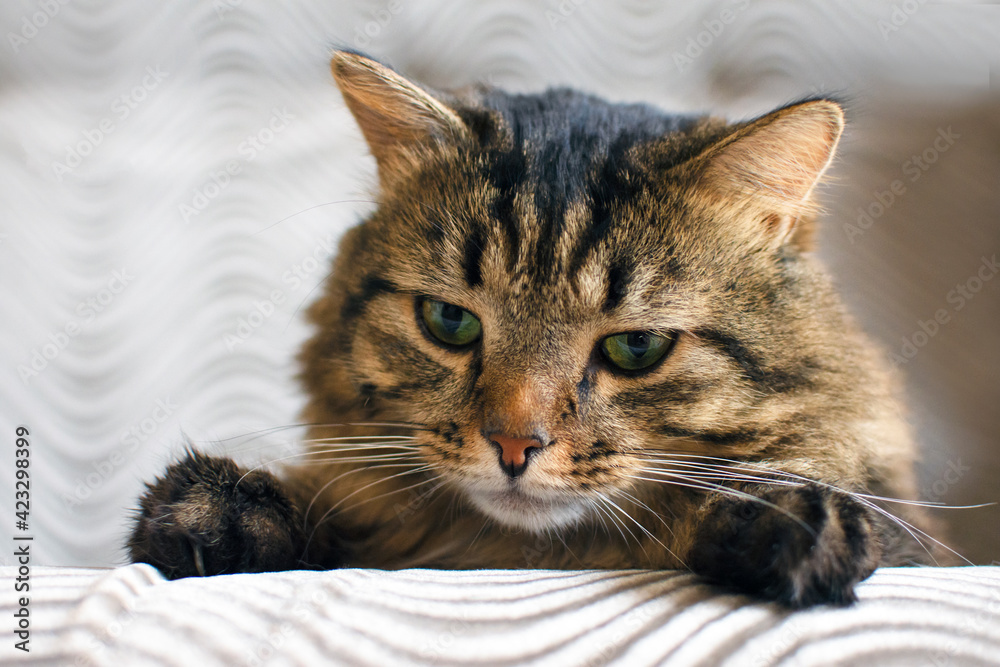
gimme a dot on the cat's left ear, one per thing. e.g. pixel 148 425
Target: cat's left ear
pixel 767 169
pixel 396 116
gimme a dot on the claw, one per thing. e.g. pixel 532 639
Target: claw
pixel 199 559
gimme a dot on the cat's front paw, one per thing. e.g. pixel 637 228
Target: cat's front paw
pixel 801 546
pixel 206 516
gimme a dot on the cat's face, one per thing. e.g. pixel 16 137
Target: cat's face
pixel 554 289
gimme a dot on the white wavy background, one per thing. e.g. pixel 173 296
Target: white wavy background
pixel 154 362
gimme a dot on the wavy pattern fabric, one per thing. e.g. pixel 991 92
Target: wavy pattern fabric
pixel 131 616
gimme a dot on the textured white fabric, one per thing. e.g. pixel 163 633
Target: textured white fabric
pixel 131 616
pixel 109 405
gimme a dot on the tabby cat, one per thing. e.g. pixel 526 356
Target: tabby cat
pixel 573 334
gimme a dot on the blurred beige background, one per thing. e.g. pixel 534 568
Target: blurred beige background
pixel 211 151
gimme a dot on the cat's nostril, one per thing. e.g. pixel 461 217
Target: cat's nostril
pixel 514 452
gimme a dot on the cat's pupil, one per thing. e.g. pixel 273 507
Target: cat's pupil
pixel 452 317
pixel 637 343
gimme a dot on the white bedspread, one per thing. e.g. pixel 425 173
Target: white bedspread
pixel 132 616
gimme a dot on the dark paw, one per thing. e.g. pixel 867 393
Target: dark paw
pixel 804 546
pixel 204 517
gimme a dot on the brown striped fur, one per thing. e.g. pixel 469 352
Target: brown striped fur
pixel 559 220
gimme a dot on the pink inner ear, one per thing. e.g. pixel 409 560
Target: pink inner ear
pixel 394 114
pixel 779 159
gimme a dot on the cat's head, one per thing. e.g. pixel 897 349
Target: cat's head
pixel 556 288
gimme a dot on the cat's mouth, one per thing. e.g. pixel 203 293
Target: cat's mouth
pixel 513 506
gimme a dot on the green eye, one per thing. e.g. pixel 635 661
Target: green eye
pixel 635 350
pixel 449 323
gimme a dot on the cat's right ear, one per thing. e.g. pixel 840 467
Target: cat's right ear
pixel 397 117
pixel 765 171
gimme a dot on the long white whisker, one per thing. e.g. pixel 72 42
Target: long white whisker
pixel 362 454
pixel 423 468
pixel 334 480
pixel 644 529
pixel 313 208
pixel 933 504
pixel 252 436
pixel 376 449
pixel 600 505
pixel 482 529
pixel 608 502
pixel 647 508
pixel 329 511
pixel 864 498
pixel 600 516
pixel 763 469
pixel 619 523
pixel 395 456
pixel 722 476
pixel 334 460
pixel 410 425
pixel 383 436
pixel 739 468
pixel 319 446
pixel 262 432
pixel 405 488
pixel 350 453
pixel 725 490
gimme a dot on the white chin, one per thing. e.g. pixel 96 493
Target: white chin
pixel 519 510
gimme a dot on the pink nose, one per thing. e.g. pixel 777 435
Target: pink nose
pixel 514 452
